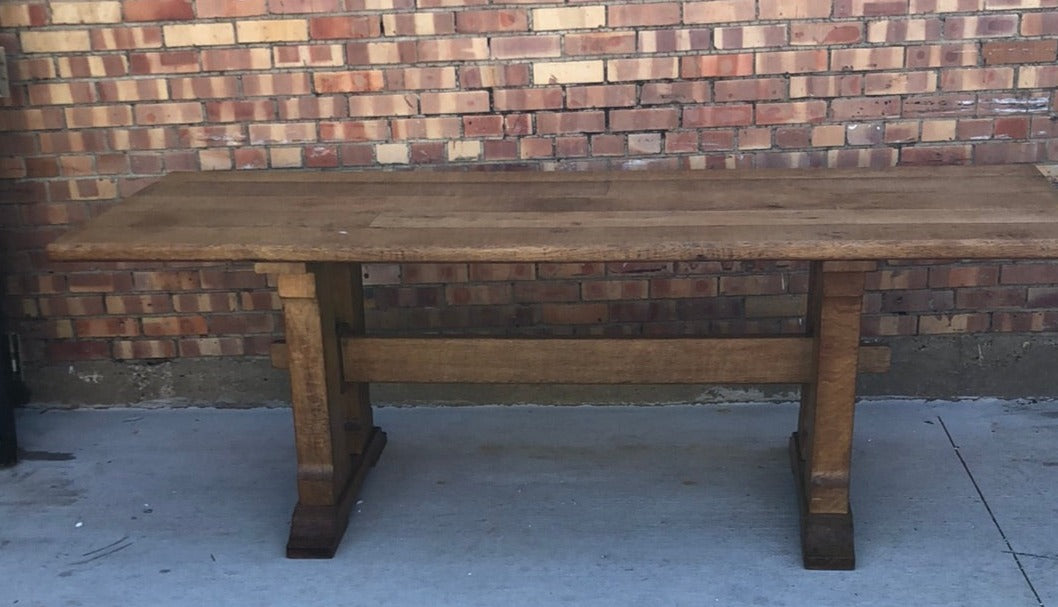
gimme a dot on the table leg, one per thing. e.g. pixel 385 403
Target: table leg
pixel 820 450
pixel 333 431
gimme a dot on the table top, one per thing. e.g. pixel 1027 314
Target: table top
pixel 984 212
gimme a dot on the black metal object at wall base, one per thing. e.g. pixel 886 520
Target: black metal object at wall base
pixel 12 392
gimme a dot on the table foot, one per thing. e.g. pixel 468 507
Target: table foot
pixel 316 531
pixel 826 538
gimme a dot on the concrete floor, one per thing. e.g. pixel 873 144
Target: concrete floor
pixel 955 504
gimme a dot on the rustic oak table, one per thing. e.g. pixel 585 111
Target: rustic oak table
pixel 313 230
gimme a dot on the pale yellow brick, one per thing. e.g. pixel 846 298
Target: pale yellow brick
pixel 463 150
pixel 569 17
pixel 938 130
pixel 85 12
pixel 198 34
pixel 828 136
pixel 567 72
pixel 217 159
pixel 55 42
pixel 719 11
pixel 285 158
pixel 279 30
pixel 391 153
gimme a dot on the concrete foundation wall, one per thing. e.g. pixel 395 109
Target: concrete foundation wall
pixel 1006 365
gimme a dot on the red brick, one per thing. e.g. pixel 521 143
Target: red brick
pixel 138 304
pixel 981 26
pixel 791 113
pixel 942 55
pixel 1029 274
pixel 869 8
pixel 935 106
pixel 418 78
pixel 574 313
pixel 536 147
pixel 483 126
pixel 230 8
pixel 718 116
pixel 792 61
pixel 674 40
pixel 168 113
pixel 990 298
pixel 608 290
pixel 750 90
pixel 304 6
pixel 237 59
pixel 858 108
pixel 140 349
pixel 1039 24
pixel 475 77
pixel 717 66
pixel 644 119
pixel 78 350
pixel 512 47
pixel 438 127
pixel 511 20
pixel 164 62
pixel 106 327
pixel 1009 153
pixel 344 28
pixel 158 10
pixel 157 326
pixel 682 142
pixel 571 146
pixel 1025 321
pixel 825 33
pixel 762 284
pixel 631 15
pixel 208 87
pixel 936 154
pixel 240 324
pixel 663 93
pixel 579 97
pixel 683 287
pixel 527 99
pixel 424 273
pixel 549 123
pixel 99 282
pixel 348 82
pixel 599 43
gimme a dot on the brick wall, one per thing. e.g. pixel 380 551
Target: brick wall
pixel 110 94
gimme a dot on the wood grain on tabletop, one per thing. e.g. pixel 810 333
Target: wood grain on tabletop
pixel 1008 211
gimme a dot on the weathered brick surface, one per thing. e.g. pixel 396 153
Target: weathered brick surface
pixel 109 95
